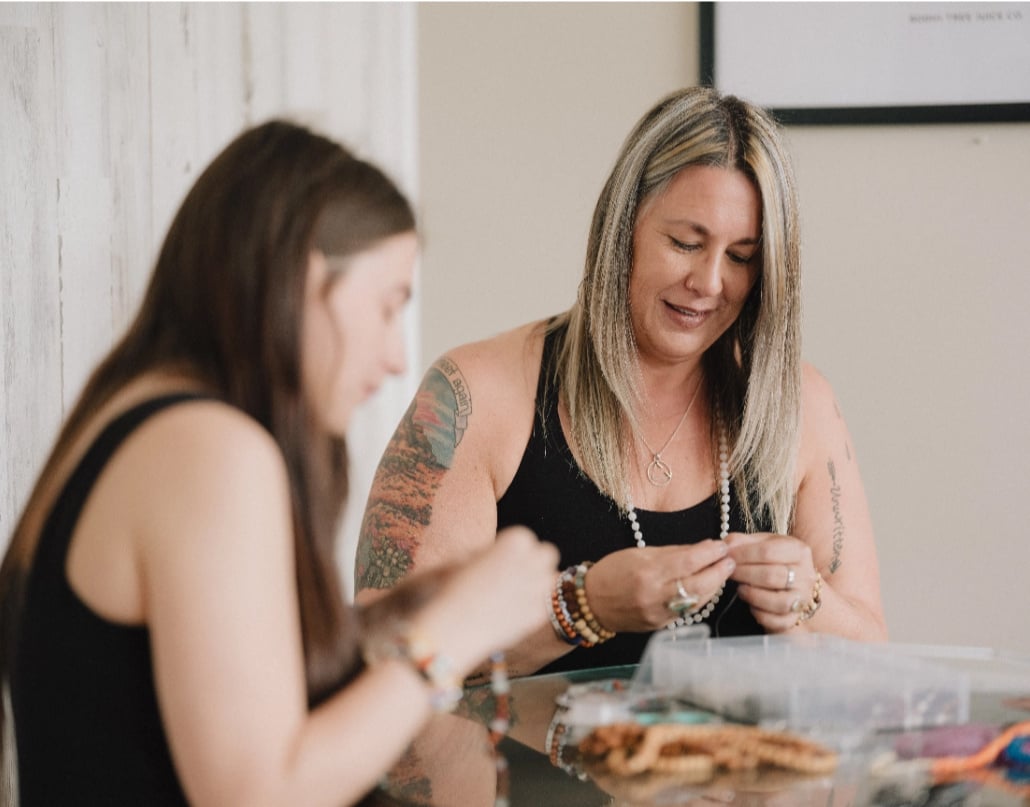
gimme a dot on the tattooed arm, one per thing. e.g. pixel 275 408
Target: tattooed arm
pixel 832 535
pixel 832 518
pixel 412 470
pixel 455 451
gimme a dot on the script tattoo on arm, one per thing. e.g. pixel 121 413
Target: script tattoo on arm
pixel 838 521
pixel 400 505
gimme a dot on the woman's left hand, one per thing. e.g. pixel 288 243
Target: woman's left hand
pixel 776 577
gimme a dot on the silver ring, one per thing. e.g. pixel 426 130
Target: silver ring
pixel 685 601
pixel 790 578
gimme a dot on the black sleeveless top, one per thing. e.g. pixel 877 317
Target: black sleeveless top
pixel 554 498
pixel 88 728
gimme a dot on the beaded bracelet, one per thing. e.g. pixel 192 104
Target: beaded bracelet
pixel 556 741
pixel 434 668
pixel 813 605
pixel 561 619
pixel 553 613
pixel 578 620
pixel 584 609
pixel 499 725
pixel 571 618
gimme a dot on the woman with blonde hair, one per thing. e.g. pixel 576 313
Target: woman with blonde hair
pixel 173 627
pixel 663 432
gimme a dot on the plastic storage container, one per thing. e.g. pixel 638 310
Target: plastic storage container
pixel 805 682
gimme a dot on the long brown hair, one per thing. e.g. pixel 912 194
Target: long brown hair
pixel 225 300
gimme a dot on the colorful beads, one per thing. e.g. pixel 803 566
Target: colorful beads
pixel 571 617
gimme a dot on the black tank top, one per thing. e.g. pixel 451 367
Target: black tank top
pixel 552 496
pixel 88 728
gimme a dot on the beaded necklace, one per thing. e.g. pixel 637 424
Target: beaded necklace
pixel 500 689
pixel 724 530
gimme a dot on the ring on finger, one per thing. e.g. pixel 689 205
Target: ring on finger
pixel 790 578
pixel 683 601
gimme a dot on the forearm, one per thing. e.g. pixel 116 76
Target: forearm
pixel 350 742
pixel 332 755
pixel 844 617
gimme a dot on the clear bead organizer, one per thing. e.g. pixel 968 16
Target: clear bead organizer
pixel 804 683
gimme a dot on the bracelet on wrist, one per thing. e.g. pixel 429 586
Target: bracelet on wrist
pixel 584 607
pixel 436 669
pixel 571 617
pixel 814 603
pixel 561 619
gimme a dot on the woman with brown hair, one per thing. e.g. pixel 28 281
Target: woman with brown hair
pixel 173 628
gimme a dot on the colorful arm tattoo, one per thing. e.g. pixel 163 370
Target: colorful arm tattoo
pixel 400 505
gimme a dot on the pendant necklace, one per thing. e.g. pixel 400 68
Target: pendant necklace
pixel 724 529
pixel 659 473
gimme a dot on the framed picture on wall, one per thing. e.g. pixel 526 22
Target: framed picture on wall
pixel 883 62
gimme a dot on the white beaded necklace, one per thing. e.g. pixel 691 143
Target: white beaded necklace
pixel 724 530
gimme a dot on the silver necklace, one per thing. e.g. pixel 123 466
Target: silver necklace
pixel 659 473
pixel 724 529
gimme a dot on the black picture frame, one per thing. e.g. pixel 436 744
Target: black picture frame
pixel 858 115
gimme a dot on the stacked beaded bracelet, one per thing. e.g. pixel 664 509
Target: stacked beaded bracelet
pixel 561 619
pixel 813 605
pixel 436 669
pixel 571 617
pixel 583 607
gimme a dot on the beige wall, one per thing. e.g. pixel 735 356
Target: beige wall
pixel 917 274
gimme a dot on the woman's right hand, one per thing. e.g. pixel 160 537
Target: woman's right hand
pixel 629 590
pixel 493 601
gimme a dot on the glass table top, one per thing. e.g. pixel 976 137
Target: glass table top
pixel 452 762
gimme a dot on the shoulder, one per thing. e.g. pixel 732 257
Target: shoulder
pixel 208 431
pixel 496 373
pixel 822 422
pixel 818 399
pixel 511 357
pixel 202 463
pixel 487 390
pixel 816 389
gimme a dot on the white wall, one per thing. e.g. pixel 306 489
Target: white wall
pixel 917 276
pixel 109 112
pixel 522 108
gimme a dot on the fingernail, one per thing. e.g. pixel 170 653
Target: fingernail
pixel 730 565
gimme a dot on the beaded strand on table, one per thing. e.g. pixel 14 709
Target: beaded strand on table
pixel 724 530
pixel 500 688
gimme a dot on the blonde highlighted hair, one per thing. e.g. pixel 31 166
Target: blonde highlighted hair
pixel 753 371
